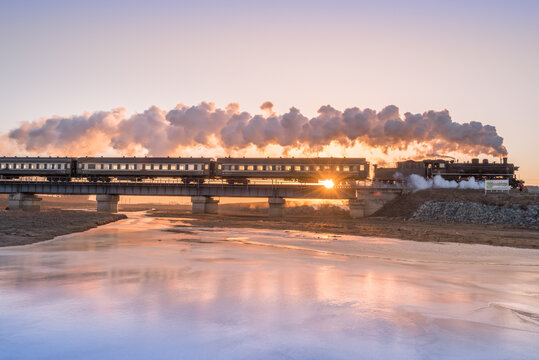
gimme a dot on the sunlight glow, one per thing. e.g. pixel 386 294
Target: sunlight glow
pixel 327 183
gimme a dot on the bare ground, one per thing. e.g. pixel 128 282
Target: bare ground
pixel 21 228
pixel 17 228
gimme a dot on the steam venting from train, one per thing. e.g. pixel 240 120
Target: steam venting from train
pixel 417 183
pixel 158 132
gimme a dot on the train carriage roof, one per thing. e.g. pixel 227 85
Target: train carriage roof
pixel 35 159
pixel 291 161
pixel 144 160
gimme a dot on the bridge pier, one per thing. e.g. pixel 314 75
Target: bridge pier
pixel 276 207
pixel 107 203
pixel 24 201
pixel 204 205
pixel 368 203
pixel 357 208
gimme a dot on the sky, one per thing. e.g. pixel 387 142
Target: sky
pixel 477 59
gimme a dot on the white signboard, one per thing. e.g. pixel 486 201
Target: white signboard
pixel 497 185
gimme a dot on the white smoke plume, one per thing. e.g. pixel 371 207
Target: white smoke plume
pixel 417 183
pixel 161 132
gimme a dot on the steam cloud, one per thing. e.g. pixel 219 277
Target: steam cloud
pixel 163 133
pixel 417 183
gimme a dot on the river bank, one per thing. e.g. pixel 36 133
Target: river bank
pixel 21 228
pixel 397 228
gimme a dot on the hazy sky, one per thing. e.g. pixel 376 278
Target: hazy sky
pixel 478 59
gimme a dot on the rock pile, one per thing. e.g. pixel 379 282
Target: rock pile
pixel 472 212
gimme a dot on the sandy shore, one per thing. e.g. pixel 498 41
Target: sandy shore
pixel 399 228
pixel 21 228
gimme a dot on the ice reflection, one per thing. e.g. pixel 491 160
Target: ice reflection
pixel 158 288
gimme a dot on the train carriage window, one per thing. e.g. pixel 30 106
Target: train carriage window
pixel 337 168
pixel 327 167
pixel 288 167
pixel 206 166
pixel 346 168
pixel 263 167
pixel 102 166
pixel 17 166
pixel 361 167
pixel 297 168
pixel 250 167
pixel 182 167
pixel 236 167
pixel 195 166
pixel 68 166
pixel 242 167
pixel 91 166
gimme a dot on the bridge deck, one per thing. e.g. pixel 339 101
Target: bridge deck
pixel 179 189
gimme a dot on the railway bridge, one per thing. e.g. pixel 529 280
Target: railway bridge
pixel 362 200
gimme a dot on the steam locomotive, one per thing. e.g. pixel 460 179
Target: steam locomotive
pixel 449 170
pixel 189 170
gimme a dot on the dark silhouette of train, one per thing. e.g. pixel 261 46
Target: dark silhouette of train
pixel 242 170
pixel 449 170
pixel 189 170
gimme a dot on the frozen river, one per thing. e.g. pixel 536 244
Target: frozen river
pixel 146 288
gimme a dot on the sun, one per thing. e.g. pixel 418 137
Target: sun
pixel 327 183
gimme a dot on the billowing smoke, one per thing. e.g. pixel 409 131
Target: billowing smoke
pixel 159 132
pixel 417 183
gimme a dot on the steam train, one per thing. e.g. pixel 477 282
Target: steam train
pixel 189 170
pixel 242 170
pixel 449 170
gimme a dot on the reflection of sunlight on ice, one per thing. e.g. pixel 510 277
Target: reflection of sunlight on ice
pixel 141 290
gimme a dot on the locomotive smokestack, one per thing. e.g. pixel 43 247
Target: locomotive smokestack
pixel 505 160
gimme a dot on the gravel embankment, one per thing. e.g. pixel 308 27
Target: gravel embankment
pixel 477 213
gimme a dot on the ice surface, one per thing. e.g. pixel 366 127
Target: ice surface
pixel 146 288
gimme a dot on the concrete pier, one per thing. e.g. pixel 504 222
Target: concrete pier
pixel 357 208
pixel 276 207
pixel 107 203
pixel 204 205
pixel 23 201
pixel 367 203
